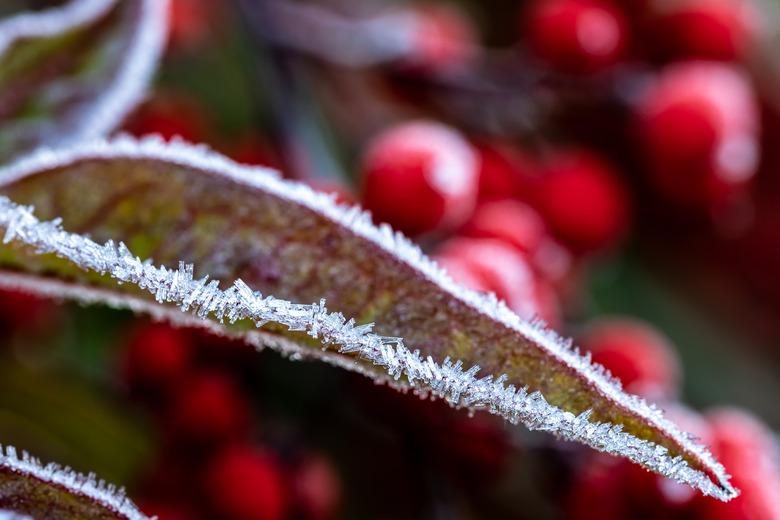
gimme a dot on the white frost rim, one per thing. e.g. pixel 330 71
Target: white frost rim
pixel 359 222
pixel 107 495
pixel 140 61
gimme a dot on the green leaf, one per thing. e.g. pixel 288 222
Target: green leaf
pixel 73 72
pixel 176 203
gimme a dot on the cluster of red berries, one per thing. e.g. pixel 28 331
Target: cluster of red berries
pixel 513 224
pixel 211 464
pixel 696 120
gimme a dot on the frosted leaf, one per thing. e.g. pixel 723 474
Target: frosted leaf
pixel 178 203
pixel 29 489
pixel 73 72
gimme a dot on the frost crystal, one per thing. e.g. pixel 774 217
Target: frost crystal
pixel 106 495
pixel 448 379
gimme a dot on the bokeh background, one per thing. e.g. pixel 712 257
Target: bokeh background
pixel 625 187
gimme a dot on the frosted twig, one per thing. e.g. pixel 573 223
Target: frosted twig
pixel 204 298
pixel 98 491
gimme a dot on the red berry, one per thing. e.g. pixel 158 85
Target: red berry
pixel 511 221
pixel 209 408
pixel 637 354
pixel 710 29
pixel 748 451
pixel 243 483
pixel 698 127
pixel 742 439
pixel 520 226
pixel 576 35
pixel 317 488
pixel 503 171
pixel 497 267
pixel 442 38
pixel 554 263
pixel 546 303
pixel 462 272
pixel 420 176
pixel 157 357
pixel 583 201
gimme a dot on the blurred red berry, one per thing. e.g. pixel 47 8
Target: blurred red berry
pixel 709 29
pixel 509 220
pixel 244 483
pixel 546 303
pixel 442 38
pixel 740 435
pixel 157 357
pixel 169 115
pixel 420 176
pixel 583 201
pixel 579 36
pixel 747 449
pixel 461 271
pixel 698 127
pixel 503 171
pixel 317 488
pixel 637 354
pixel 209 408
pixel 495 266
pixel 554 262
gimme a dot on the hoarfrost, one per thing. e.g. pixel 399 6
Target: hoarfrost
pixel 89 486
pixel 449 380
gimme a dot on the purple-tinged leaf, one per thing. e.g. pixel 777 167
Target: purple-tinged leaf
pixel 73 72
pixel 28 489
pixel 180 204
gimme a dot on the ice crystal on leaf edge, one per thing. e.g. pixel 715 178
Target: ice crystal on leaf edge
pixel 459 385
pixel 98 491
